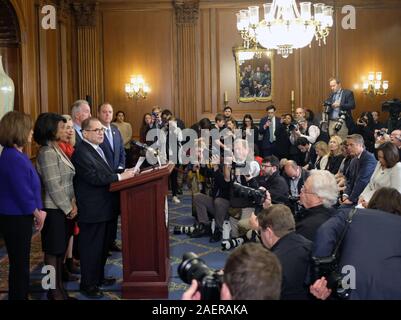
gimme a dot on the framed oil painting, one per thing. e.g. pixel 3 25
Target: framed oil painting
pixel 254 70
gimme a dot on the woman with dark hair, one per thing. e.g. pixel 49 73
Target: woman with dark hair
pixel 57 173
pixel 386 199
pixel 66 144
pixel 125 129
pixel 20 200
pixel 365 126
pixel 247 127
pixel 386 174
pixel 147 123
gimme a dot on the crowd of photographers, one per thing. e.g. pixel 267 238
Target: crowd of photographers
pixel 292 191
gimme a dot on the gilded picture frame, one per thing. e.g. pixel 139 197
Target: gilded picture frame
pixel 254 75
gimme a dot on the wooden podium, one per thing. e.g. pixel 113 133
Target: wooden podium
pixel 145 238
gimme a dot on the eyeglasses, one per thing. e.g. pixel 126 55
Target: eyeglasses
pixel 266 166
pixel 303 190
pixel 98 130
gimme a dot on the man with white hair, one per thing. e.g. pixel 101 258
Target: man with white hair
pixel 395 138
pixel 318 195
pixel 80 111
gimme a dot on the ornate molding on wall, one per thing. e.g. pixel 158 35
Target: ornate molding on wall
pixel 9 26
pixel 187 11
pixel 85 13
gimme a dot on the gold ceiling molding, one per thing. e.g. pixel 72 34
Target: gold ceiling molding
pixel 85 13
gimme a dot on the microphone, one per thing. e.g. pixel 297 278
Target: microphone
pixel 144 146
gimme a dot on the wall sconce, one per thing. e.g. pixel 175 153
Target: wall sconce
pixel 137 88
pixel 374 86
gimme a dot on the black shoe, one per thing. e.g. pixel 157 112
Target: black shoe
pixel 72 268
pixel 179 191
pixel 216 237
pixel 107 282
pixel 201 230
pixel 114 247
pixel 92 292
pixel 67 276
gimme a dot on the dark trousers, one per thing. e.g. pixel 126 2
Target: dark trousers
pixel 174 181
pixel 94 243
pixel 17 231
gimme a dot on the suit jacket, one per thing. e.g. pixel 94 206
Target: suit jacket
pixel 359 174
pixel 115 157
pixel 301 181
pixel 91 184
pixel 19 184
pixel 347 104
pixel 311 219
pixel 57 173
pixel 293 252
pixel 376 259
pixel 277 187
pixel 266 144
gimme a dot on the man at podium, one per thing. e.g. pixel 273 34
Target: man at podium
pixel 96 206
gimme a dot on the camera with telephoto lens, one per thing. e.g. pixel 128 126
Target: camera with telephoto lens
pixel 327 106
pixel 209 281
pixel 341 121
pixel 183 229
pixel 381 132
pixel 254 197
pixel 293 126
pixel 328 267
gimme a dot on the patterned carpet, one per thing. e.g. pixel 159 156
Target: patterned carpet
pixel 180 214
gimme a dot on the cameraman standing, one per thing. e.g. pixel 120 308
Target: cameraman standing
pixel 340 101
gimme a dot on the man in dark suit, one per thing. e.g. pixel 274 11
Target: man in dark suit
pixel 272 181
pixel 309 152
pixel 113 148
pixel 318 195
pixel 80 111
pixel 277 228
pixel 372 246
pixel 295 177
pixel 341 100
pixel 96 206
pixel 268 126
pixel 360 169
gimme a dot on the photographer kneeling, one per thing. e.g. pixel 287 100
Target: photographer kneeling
pixel 251 273
pixel 244 171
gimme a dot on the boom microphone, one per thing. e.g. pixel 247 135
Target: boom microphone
pixel 144 146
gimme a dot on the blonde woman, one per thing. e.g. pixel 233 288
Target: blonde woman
pixel 322 152
pixel 336 156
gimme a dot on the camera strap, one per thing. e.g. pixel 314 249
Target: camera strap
pixel 344 232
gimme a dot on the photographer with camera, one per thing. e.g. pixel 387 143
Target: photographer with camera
pixel 365 127
pixel 242 170
pixel 371 247
pixel 304 129
pixel 217 203
pixel 272 180
pixel 277 232
pixel 251 273
pixel 295 177
pixel 339 106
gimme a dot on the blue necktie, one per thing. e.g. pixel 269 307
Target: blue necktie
pixel 110 138
pixel 101 153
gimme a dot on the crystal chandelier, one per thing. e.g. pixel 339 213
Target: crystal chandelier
pixel 137 88
pixel 284 27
